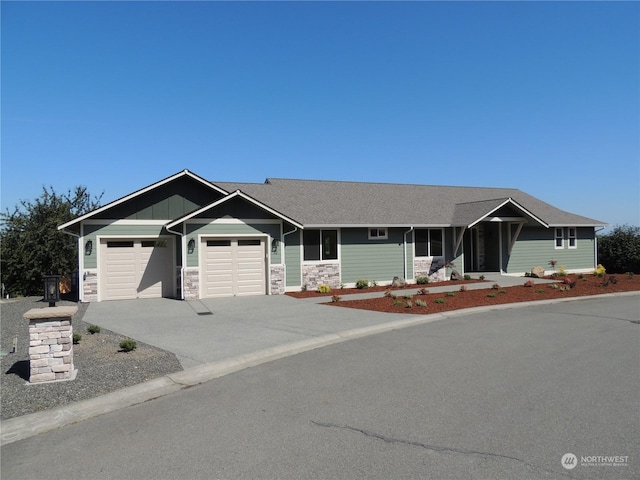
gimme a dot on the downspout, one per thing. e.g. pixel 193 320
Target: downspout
pixel 404 239
pixel 284 261
pixel 595 245
pixel 184 259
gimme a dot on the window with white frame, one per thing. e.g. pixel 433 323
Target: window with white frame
pixel 320 245
pixel 559 238
pixel 378 234
pixel 429 242
pixel 572 237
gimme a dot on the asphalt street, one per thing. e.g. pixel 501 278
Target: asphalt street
pixel 499 394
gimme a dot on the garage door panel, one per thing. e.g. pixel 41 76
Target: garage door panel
pixel 136 269
pixel 234 267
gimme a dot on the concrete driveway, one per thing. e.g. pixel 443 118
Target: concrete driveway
pixel 211 330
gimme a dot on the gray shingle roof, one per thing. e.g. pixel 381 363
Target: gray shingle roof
pixel 336 203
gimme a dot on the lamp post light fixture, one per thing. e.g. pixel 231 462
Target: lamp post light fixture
pixel 52 289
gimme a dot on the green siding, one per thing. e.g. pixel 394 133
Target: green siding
pixel 535 246
pixel 166 202
pixel 292 254
pixel 378 260
pixel 231 229
pixel 92 231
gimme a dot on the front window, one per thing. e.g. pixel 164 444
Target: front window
pixel 320 245
pixel 429 242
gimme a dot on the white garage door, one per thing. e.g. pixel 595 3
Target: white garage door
pixel 233 266
pixel 136 269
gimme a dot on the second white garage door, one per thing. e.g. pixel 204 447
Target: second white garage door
pixel 233 266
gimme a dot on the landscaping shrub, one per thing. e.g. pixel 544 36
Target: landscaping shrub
pixel 529 283
pixel 467 277
pixel 336 298
pixel 421 303
pixel 492 295
pixel 600 270
pixel 322 288
pixel 540 290
pixel 422 280
pixel 93 329
pixel 362 283
pixel 451 294
pixel 620 250
pixel 76 338
pixel 128 345
pixel 439 300
pixel 463 288
pixel 481 277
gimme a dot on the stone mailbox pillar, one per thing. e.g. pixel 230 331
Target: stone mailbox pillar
pixel 51 344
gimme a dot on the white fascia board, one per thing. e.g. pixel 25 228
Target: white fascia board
pixel 515 204
pixel 143 191
pixel 379 225
pixel 237 193
pixel 558 225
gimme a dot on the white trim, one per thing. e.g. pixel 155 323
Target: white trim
pixel 505 219
pixel 141 192
pixel 107 222
pixel 233 221
pixel 514 203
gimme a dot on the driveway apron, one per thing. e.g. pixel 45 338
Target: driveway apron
pixel 211 330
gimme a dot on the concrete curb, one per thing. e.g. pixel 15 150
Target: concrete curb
pixel 19 428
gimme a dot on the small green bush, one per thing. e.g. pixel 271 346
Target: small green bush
pixel 503 292
pixel 562 271
pixel 481 277
pixel 362 283
pixel 492 295
pixel 93 329
pixel 439 300
pixel 451 294
pixel 540 290
pixel 467 277
pixel 322 288
pixel 422 280
pixel 76 338
pixel 128 345
pixel 398 303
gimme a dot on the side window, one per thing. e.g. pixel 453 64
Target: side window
pixel 320 245
pixel 559 238
pixel 378 234
pixel 573 237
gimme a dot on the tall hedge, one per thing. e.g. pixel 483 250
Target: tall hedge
pixel 619 251
pixel 32 246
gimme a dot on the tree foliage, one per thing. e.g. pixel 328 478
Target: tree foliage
pixel 32 246
pixel 619 251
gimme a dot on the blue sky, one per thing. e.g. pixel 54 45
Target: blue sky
pixel 540 96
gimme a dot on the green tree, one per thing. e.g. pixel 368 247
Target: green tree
pixel 32 246
pixel 619 251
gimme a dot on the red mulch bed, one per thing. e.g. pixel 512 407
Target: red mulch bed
pixel 348 291
pixel 585 286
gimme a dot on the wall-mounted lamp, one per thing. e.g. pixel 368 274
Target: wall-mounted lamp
pixel 191 246
pixel 88 247
pixel 274 245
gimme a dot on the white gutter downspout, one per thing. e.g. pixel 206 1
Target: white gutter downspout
pixel 183 251
pixel 282 240
pixel 404 238
pixel 595 245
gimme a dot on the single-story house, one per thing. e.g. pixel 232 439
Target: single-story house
pixel 186 237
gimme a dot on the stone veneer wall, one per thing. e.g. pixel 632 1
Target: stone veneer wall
pixel 321 273
pixel 50 343
pixel 191 283
pixel 277 280
pixel 432 267
pixel 90 287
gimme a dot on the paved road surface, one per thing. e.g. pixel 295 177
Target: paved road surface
pixel 502 394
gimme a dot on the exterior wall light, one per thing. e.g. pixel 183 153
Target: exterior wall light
pixel 88 247
pixel 191 246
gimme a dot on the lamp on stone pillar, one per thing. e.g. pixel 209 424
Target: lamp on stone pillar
pixel 52 289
